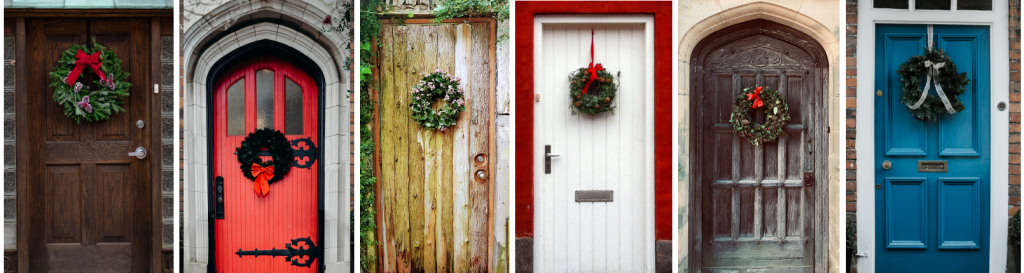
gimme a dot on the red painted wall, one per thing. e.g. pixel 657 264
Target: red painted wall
pixel 523 101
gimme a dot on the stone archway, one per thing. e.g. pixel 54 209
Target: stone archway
pixel 213 37
pixel 799 15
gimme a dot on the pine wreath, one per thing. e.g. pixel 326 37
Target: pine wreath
pixel 435 86
pixel 595 99
pixel 945 76
pixel 279 147
pixel 80 103
pixel 776 114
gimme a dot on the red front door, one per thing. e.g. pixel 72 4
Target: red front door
pixel 264 92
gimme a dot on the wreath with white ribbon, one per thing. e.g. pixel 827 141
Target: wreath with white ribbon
pixel 79 102
pixel 937 70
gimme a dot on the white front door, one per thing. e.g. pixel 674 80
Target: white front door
pixel 606 156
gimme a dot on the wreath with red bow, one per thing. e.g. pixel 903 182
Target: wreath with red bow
pixel 80 101
pixel 776 114
pixel 265 173
pixel 592 89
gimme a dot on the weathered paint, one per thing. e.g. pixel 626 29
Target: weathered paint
pixel 462 176
pixel 447 207
pixel 478 144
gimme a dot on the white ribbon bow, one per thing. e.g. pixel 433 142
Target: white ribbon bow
pixel 933 75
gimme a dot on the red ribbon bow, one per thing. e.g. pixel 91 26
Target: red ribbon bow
pixel 756 96
pixel 83 61
pixel 263 176
pixel 592 69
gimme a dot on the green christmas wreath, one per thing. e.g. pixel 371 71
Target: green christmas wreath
pixel 80 103
pixel 437 86
pixel 776 115
pixel 279 147
pixel 592 96
pixel 938 71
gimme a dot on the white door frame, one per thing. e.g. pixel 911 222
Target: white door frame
pixel 998 20
pixel 538 73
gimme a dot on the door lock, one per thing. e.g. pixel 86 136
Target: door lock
pixel 886 165
pixel 139 153
pixel 218 184
pixel 140 124
pixel 547 158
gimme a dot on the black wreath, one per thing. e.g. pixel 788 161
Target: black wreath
pixel 600 95
pixel 913 72
pixel 278 146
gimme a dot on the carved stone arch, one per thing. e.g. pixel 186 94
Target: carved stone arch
pixel 747 201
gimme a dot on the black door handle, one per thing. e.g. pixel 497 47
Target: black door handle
pixel 547 158
pixel 219 185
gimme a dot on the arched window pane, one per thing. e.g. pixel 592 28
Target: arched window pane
pixel 293 108
pixel 265 99
pixel 236 108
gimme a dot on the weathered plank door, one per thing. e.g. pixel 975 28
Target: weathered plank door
pixel 265 92
pixel 932 221
pixel 608 154
pixel 435 187
pixel 755 206
pixel 88 203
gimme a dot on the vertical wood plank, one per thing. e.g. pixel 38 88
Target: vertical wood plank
pixel 443 191
pixel 735 211
pixel 461 168
pixel 423 60
pixel 480 125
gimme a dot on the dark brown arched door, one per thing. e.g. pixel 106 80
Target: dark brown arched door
pixel 758 207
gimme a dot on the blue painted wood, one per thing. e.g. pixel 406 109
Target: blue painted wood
pixel 932 222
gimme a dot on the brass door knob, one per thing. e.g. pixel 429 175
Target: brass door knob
pixel 886 165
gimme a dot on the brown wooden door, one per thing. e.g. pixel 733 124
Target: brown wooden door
pixel 89 203
pixel 757 204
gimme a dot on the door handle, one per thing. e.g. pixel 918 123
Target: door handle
pixel 886 165
pixel 547 158
pixel 139 152
pixel 219 188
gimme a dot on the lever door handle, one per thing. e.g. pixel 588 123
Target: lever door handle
pixel 547 158
pixel 139 153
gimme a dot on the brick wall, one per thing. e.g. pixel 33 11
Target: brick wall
pixel 850 112
pixel 1015 120
pixel 1014 30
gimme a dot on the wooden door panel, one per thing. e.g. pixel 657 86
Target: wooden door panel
pixel 759 211
pixel 434 210
pixel 932 221
pixel 63 215
pixel 95 199
pixel 289 211
pixel 112 188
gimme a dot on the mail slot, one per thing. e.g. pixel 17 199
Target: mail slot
pixel 932 166
pixel 594 196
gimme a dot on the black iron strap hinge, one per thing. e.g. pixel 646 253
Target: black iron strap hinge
pixel 291 254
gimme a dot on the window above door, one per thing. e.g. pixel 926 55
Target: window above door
pixel 951 5
pixel 278 102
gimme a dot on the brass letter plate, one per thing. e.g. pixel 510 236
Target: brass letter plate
pixel 932 166
pixel 593 196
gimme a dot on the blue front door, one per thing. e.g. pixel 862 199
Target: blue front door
pixel 932 221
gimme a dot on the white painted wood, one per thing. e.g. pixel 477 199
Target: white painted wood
pixel 610 151
pixel 999 48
